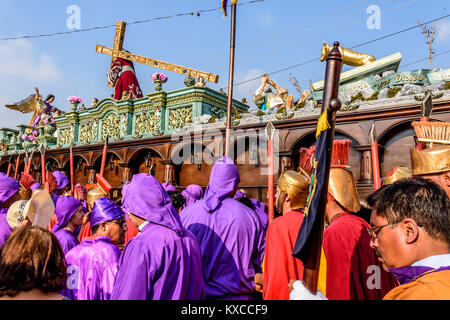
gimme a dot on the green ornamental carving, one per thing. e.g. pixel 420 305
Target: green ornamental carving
pixel 88 132
pixel 148 123
pixel 178 118
pixel 111 127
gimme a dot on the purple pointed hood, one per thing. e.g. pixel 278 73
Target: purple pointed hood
pixel 8 187
pixel 146 198
pixel 61 179
pixel 168 187
pixel 104 210
pixel 65 207
pixel 192 193
pixel 224 179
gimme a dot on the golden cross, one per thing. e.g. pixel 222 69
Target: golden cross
pixel 117 52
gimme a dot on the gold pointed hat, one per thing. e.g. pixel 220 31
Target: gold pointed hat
pixel 296 186
pixel 397 174
pixel 341 184
pixel 100 189
pixel 435 159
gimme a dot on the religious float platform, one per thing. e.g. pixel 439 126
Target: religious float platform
pixel 144 134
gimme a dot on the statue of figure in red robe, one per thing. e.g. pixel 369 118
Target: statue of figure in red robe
pixel 122 76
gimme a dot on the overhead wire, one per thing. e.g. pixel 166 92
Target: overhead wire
pixel 356 46
pixel 128 23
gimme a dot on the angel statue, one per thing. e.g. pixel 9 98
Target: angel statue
pixel 33 103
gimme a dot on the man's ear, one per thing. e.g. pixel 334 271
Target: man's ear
pixel 410 229
pixel 287 199
pixel 446 178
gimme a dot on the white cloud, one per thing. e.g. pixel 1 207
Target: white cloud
pixel 247 89
pixel 21 69
pixel 265 19
pixel 443 31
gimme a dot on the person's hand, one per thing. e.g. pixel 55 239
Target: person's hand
pixel 291 285
pixel 264 78
pixel 259 280
pixel 300 292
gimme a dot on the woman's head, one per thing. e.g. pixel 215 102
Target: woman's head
pixel 31 258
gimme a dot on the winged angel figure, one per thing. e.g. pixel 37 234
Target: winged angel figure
pixel 41 109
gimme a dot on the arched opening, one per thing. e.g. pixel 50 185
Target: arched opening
pixel 80 170
pixel 397 141
pixel 354 157
pixel 112 172
pixel 147 160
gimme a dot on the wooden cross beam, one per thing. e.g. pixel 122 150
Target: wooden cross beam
pixel 117 52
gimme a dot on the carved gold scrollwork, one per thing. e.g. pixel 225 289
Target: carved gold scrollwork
pixel 178 118
pixel 111 127
pixel 148 123
pixel 66 136
pixel 88 132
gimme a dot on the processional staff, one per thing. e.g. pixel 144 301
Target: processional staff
pixel 230 75
pixel 16 170
pixel 375 158
pixel 309 240
pixel 72 181
pixel 270 132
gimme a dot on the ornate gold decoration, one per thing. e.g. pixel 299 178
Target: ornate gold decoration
pixel 88 132
pixel 179 117
pixel 349 57
pixel 123 124
pixel 66 136
pixel 111 127
pixel 148 123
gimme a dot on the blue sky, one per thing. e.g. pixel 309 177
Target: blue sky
pixel 271 35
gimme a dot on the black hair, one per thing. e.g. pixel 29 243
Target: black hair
pixel 49 97
pixel 247 202
pixel 177 199
pixel 419 199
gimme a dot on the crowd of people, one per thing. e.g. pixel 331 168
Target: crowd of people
pixel 158 243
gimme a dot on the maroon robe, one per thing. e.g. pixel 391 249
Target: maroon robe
pixel 352 266
pixel 127 80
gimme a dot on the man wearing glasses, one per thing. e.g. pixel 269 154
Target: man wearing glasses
pixel 92 265
pixel 410 231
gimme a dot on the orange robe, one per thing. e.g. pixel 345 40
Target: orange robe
pixel 279 264
pixel 432 286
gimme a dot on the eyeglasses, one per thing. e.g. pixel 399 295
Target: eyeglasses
pixel 121 222
pixel 374 231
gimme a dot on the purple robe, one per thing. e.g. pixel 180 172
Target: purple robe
pixel 92 268
pixel 8 187
pixel 66 239
pixel 163 262
pixel 47 109
pixel 259 208
pixel 5 229
pixel 230 235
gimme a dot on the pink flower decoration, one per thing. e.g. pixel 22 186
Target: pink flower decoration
pixel 159 76
pixel 24 136
pixel 53 121
pixel 45 120
pixel 73 99
pixel 31 137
